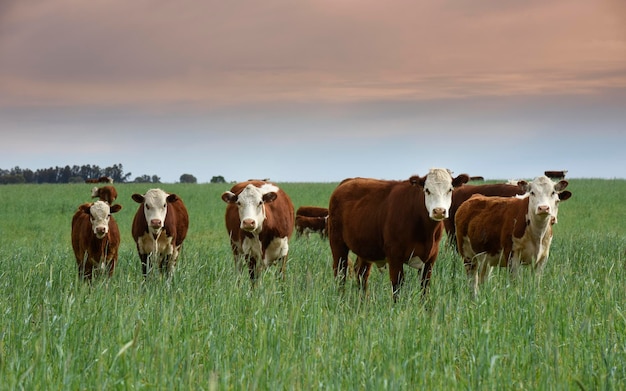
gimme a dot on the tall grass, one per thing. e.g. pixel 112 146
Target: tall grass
pixel 208 329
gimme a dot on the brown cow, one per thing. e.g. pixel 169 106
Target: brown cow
pixel 558 175
pixel 159 229
pixel 107 194
pixel 508 231
pixel 390 222
pixel 312 211
pixel 306 224
pixel 95 238
pixel 102 179
pixel 259 221
pixel 463 193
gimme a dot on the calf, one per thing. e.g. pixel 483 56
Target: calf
pixel 306 224
pixel 95 238
pixel 159 229
pixel 259 221
pixel 390 222
pixel 107 194
pixel 463 193
pixel 508 231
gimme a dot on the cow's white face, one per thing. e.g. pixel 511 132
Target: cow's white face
pixel 438 193
pixel 154 208
pixel 544 197
pixel 251 205
pixel 99 216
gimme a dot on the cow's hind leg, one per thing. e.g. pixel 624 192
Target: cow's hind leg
pixel 362 269
pixel 396 275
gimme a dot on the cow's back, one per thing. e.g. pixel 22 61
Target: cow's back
pixel 312 211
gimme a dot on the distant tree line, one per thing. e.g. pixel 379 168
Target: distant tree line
pixel 78 174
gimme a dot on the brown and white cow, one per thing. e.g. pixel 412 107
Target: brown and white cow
pixel 463 193
pixel 508 231
pixel 107 194
pixel 159 229
pixel 390 222
pixel 95 238
pixel 259 221
pixel 307 224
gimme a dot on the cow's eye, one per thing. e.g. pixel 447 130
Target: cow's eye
pixel 147 206
pixel 532 193
pixel 427 191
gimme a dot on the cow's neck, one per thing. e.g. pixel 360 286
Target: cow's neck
pixel 538 225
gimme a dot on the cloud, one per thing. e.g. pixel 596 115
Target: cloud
pixel 207 54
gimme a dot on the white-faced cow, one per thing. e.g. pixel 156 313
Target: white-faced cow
pixel 107 194
pixel 95 238
pixel 463 193
pixel 159 229
pixel 508 231
pixel 390 222
pixel 259 220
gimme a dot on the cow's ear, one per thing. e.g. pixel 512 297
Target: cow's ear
pixel 86 208
pixel 138 198
pixel 116 208
pixel 561 185
pixel 229 197
pixel 524 186
pixel 459 180
pixel 269 197
pixel 565 195
pixel 172 198
pixel 417 180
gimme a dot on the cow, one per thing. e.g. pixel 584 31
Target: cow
pixel 311 219
pixel 102 179
pixel 463 193
pixel 95 238
pixel 390 222
pixel 159 228
pixel 307 224
pixel 557 175
pixel 259 221
pixel 107 194
pixel 508 231
pixel 312 211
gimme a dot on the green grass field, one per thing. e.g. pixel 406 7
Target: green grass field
pixel 208 329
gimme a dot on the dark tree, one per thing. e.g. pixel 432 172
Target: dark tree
pixel 218 179
pixel 188 178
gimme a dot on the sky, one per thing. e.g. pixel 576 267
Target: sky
pixel 315 90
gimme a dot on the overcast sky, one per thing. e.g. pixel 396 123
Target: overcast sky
pixel 315 90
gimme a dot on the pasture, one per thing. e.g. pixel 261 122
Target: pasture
pixel 207 329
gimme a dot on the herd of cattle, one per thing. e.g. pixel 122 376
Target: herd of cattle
pixel 382 222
